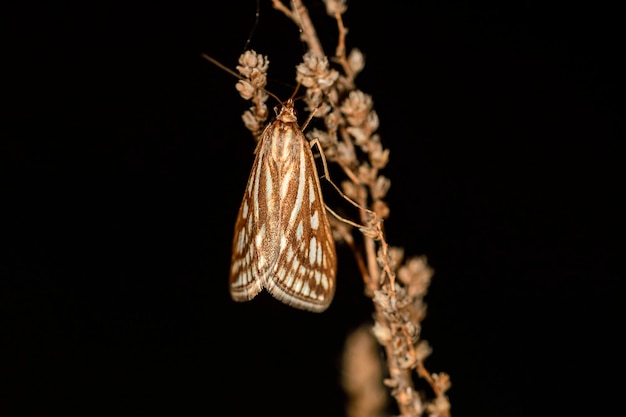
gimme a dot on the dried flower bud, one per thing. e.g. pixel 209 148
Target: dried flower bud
pixel 419 309
pixel 356 107
pixel 381 258
pixel 442 381
pixel 261 109
pixel 381 187
pixel 396 255
pixel 409 398
pixel 381 209
pixel 350 189
pixel 422 351
pixel 331 122
pixel 439 407
pixel 413 401
pixel 382 333
pixel 343 85
pixel 407 361
pixel 250 60
pixel 335 7
pixel 321 110
pixel 322 136
pixel 317 102
pixel 330 150
pixel 314 72
pixel 250 121
pixel 366 174
pixel 246 90
pixel 382 299
pixel 345 154
pixel 356 61
pixel 257 78
pixel 413 328
pixel 372 121
pixel 314 97
pixel 378 156
pixel 391 383
pixel 416 275
pixel 359 134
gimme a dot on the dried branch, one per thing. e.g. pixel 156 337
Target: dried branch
pixel 396 286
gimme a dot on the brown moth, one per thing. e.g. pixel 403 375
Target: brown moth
pixel 283 241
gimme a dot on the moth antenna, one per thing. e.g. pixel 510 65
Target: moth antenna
pixel 257 14
pixel 295 91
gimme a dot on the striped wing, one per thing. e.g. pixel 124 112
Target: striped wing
pixel 255 239
pixel 304 273
pixel 283 241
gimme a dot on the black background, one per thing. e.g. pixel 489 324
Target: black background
pixel 127 161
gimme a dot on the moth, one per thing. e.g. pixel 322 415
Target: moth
pixel 283 240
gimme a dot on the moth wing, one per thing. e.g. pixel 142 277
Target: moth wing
pixel 255 237
pixel 304 273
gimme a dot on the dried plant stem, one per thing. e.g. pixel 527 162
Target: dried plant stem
pixel 300 16
pixel 396 286
pixel 340 51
